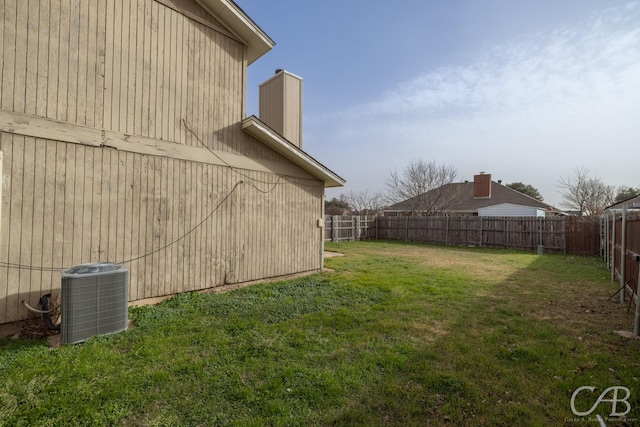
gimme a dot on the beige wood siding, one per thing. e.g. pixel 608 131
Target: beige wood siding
pixel 53 59
pixel 271 103
pixel 281 105
pixel 171 78
pixel 293 110
pixel 164 83
pixel 179 225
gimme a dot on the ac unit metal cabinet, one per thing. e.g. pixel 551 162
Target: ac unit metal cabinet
pixel 95 299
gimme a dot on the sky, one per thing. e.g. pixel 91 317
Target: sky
pixel 528 91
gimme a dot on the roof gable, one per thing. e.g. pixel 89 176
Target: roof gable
pixel 631 202
pixel 241 25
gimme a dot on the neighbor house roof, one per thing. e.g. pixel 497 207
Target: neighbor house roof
pixel 631 202
pixel 466 203
pixel 257 41
pixel 259 130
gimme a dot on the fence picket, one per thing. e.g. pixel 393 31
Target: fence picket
pixel 349 228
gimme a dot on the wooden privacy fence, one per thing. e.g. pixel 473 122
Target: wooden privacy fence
pixel 529 233
pixel 573 235
pixel 621 229
pixel 340 228
pixel 583 235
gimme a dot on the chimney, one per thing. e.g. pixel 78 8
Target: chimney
pixel 281 105
pixel 482 186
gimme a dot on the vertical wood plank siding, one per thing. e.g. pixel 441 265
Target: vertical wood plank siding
pixel 149 69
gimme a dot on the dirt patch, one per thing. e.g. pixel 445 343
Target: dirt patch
pixel 10 329
pixel 33 328
pixel 150 301
pixel 328 254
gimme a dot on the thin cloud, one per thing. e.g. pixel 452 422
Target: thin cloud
pixel 561 88
pixel 557 68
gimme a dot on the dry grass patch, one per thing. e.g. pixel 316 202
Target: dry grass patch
pixel 428 331
pixel 473 261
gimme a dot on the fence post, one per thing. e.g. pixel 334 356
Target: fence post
pixel 540 236
pixel 608 233
pixel 376 220
pixel 356 228
pixel 406 228
pixel 540 229
pixel 623 256
pixel 446 231
pixel 613 247
pixel 603 238
pixel 605 227
pixel 480 231
pixel 334 228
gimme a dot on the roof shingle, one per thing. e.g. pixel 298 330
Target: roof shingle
pixel 465 202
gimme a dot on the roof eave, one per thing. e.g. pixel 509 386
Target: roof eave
pixel 257 41
pixel 254 127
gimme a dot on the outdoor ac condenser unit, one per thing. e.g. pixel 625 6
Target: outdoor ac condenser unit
pixel 95 298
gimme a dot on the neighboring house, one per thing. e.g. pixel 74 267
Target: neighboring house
pixel 123 138
pixel 630 203
pixel 480 197
pixel 337 211
pixel 510 209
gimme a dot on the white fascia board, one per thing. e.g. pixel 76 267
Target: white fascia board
pixel 254 127
pixel 258 42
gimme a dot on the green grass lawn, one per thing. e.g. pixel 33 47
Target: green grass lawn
pixel 397 334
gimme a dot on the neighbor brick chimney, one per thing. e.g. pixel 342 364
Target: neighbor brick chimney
pixel 482 186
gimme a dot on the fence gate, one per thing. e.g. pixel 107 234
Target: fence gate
pixel 341 228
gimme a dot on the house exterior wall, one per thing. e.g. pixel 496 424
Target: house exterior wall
pixel 121 141
pixel 508 209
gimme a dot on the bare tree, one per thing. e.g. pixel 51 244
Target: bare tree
pixel 422 186
pixel 586 194
pixel 365 202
